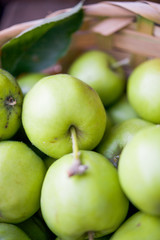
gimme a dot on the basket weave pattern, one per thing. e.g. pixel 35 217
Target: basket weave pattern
pixel 126 29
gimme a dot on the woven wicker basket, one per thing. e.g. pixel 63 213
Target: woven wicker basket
pixel 127 30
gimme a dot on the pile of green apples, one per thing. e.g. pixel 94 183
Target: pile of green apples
pixel 80 152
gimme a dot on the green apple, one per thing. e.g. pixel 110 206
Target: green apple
pixel 96 68
pixel 12 232
pixel 113 142
pixel 93 202
pixel 27 81
pixel 35 228
pixel 139 226
pixel 143 90
pixel 57 103
pixel 121 111
pixel 21 176
pixel 10 105
pixel 139 169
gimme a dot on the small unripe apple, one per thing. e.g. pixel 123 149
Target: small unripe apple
pixel 143 90
pixel 139 168
pixel 12 232
pixel 139 226
pixel 10 105
pixel 96 68
pixel 27 81
pixel 121 134
pixel 21 176
pixel 121 110
pixel 57 103
pixel 92 202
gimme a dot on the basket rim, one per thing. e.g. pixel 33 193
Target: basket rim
pixel 110 24
pixel 145 9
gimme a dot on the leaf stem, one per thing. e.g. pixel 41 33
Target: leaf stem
pixel 77 167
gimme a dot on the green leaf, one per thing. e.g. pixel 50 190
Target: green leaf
pixel 41 46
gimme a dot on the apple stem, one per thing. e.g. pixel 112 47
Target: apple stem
pixel 77 167
pixel 74 143
pixel 123 62
pixel 91 235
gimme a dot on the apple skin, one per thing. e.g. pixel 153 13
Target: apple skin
pixel 10 105
pixel 55 104
pixel 113 142
pixel 121 111
pixel 27 81
pixel 139 169
pixel 143 90
pixel 95 68
pixel 139 226
pixel 12 232
pixel 71 206
pixel 22 174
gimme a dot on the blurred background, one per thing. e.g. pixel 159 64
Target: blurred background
pixel 17 11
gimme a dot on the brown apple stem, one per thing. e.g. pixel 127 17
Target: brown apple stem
pixel 91 235
pixel 123 62
pixel 77 167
